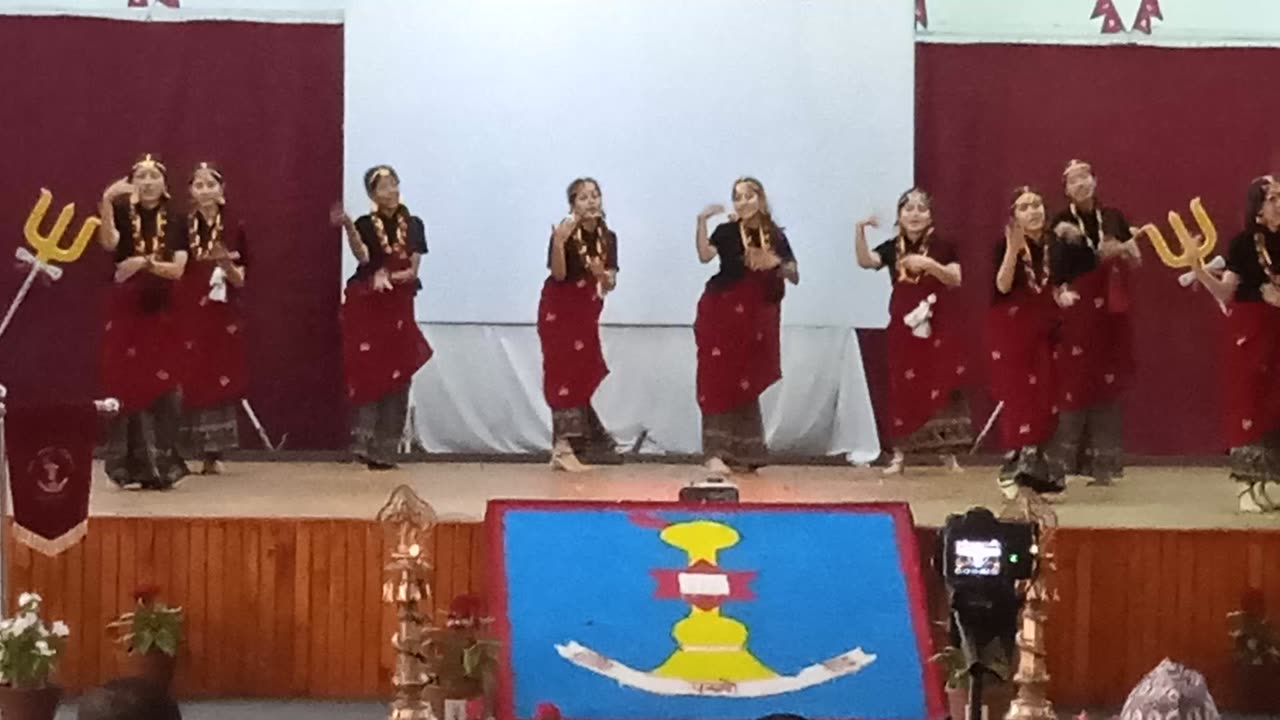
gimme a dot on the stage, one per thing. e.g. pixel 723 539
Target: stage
pixel 1174 498
pixel 278 565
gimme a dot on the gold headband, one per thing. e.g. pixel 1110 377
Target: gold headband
pixel 1074 165
pixel 378 173
pixel 149 162
pixel 215 172
pixel 1024 190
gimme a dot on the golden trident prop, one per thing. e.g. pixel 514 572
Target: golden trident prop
pixel 48 247
pixel 1191 252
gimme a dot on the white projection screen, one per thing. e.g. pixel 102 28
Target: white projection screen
pixel 488 108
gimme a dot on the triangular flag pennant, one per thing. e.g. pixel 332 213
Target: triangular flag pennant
pixel 1111 22
pixel 1148 10
pixel 922 14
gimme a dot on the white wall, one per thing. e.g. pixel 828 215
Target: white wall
pixel 488 108
pixel 288 11
pixel 1185 22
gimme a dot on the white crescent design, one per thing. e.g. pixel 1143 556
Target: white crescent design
pixel 839 666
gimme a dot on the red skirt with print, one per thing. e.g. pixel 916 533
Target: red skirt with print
pixel 738 334
pixel 1020 340
pixel 573 363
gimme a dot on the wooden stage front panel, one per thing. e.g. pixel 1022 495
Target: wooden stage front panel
pixel 287 607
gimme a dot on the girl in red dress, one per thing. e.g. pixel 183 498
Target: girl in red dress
pixel 140 357
pixel 927 370
pixel 382 345
pixel 738 325
pixel 1021 326
pixel 211 324
pixel 583 259
pixel 1091 261
pixel 1250 288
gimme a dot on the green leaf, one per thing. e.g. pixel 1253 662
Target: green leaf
pixel 472 657
pixel 167 642
pixel 142 643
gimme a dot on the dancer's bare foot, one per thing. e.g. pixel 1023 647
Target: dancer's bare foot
pixel 951 464
pixel 897 465
pixel 563 458
pixel 717 466
pixel 1249 498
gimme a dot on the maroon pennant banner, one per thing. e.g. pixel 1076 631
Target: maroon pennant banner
pixel 1149 9
pixel 1111 22
pixel 50 454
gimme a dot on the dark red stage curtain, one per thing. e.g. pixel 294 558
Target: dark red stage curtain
pixel 1161 126
pixel 81 97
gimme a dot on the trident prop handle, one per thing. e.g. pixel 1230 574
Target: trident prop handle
pixel 262 433
pixel 991 421
pixel 4 511
pixel 22 295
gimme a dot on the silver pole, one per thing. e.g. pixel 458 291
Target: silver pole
pixel 4 511
pixel 262 432
pixel 22 294
pixel 986 428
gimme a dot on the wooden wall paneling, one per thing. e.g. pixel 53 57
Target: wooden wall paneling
pixel 356 633
pixel 293 607
pixel 301 628
pixel 371 650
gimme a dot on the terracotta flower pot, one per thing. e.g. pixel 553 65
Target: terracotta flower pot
pixel 995 699
pixel 444 699
pixel 998 698
pixel 958 703
pixel 156 667
pixel 1258 688
pixel 29 703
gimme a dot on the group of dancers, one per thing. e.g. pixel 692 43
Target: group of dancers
pixel 1058 337
pixel 173 343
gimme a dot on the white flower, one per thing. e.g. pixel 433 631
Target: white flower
pixel 24 622
pixel 60 629
pixel 29 598
pixel 43 648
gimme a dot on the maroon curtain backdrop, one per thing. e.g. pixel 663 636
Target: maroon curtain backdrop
pixel 1160 126
pixel 82 97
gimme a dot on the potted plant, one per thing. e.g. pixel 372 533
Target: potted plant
pixel 150 634
pixel 956 665
pixel 465 659
pixel 29 652
pixel 1256 650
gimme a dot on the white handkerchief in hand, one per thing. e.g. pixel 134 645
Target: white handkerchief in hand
pixel 918 319
pixel 218 285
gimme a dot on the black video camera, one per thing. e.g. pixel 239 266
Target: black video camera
pixel 978 549
pixel 982 558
